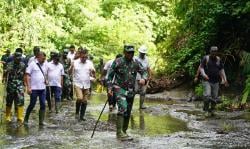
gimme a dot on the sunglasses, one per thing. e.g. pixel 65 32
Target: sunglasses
pixel 130 52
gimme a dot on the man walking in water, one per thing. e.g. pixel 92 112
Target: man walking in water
pixel 82 69
pixel 212 71
pixel 123 87
pixel 141 89
pixel 36 86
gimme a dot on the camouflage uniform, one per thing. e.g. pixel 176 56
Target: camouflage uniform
pixel 4 60
pixel 67 92
pixel 15 88
pixel 123 88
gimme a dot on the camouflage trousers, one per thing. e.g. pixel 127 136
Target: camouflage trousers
pixel 15 95
pixel 124 101
pixel 67 92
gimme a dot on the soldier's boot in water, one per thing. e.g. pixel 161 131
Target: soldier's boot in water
pixel 125 127
pixel 8 114
pixel 119 129
pixel 20 110
pixel 82 112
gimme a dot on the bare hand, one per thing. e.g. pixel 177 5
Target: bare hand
pixel 110 92
pixel 142 82
pixel 29 91
pixel 226 84
pixel 206 78
pixel 195 79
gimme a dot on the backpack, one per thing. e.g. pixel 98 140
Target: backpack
pixel 207 60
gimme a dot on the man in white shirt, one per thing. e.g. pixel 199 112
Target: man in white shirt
pixel 36 86
pixel 82 70
pixel 71 54
pixel 141 89
pixel 55 80
pixel 36 50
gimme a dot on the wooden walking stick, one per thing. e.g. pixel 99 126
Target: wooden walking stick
pixel 99 118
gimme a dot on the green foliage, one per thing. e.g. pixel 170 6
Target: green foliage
pixel 227 127
pixel 199 90
pixel 227 104
pixel 180 30
pixel 246 91
pixel 101 26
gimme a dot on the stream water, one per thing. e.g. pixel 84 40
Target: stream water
pixel 164 124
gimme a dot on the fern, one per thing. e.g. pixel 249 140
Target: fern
pixel 246 91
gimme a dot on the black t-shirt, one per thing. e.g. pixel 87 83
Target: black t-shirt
pixel 212 68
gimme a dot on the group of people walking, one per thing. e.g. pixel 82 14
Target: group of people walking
pixel 123 76
pixel 73 71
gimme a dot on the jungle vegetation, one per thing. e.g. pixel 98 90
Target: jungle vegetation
pixel 178 33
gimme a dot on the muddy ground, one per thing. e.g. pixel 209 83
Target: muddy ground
pixel 168 122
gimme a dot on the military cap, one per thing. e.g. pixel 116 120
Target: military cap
pixel 129 48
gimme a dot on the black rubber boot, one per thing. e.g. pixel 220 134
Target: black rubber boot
pixel 212 109
pixel 78 105
pixel 125 127
pixel 41 117
pixel 27 115
pixel 82 112
pixel 57 106
pixel 206 104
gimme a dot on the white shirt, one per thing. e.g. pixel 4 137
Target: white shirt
pixel 81 73
pixel 33 58
pixel 71 56
pixel 107 67
pixel 55 74
pixel 37 80
pixel 145 64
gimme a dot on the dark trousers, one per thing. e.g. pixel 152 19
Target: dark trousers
pixel 33 98
pixel 53 91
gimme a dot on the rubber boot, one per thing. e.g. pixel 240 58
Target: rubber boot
pixel 125 127
pixel 78 105
pixel 49 106
pixel 206 104
pixel 41 118
pixel 212 109
pixel 26 118
pixel 8 114
pixel 119 126
pixel 142 98
pixel 82 113
pixel 57 105
pixel 20 114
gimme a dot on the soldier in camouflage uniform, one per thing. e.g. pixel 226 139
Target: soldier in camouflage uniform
pixel 123 87
pixel 67 92
pixel 4 60
pixel 15 87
